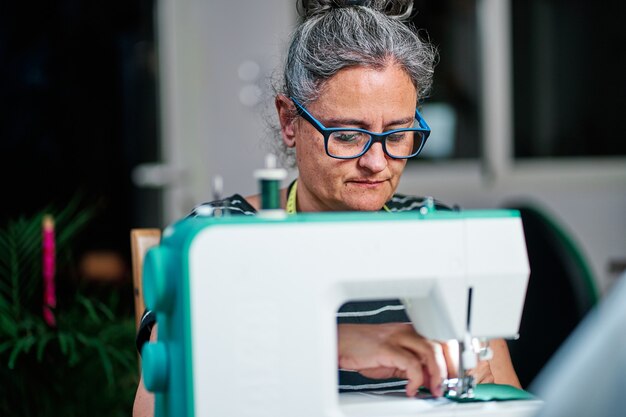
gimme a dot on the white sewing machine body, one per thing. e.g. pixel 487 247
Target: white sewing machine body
pixel 247 306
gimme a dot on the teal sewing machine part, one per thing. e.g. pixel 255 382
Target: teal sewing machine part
pixel 171 269
pixel 488 392
pixel 496 392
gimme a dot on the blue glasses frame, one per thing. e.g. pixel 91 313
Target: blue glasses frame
pixel 374 137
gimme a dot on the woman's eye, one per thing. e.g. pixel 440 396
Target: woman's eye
pixel 346 136
pixel 397 137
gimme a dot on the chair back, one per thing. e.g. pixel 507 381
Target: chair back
pixel 561 291
pixel 141 239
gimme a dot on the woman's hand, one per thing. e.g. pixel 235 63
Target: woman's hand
pixel 393 350
pixel 482 373
pixel 498 370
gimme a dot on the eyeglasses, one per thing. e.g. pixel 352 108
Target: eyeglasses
pixel 350 143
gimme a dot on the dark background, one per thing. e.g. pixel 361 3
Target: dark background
pixel 77 110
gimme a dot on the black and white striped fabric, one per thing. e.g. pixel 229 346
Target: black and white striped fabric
pixel 365 312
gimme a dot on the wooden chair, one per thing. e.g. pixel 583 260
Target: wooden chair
pixel 141 239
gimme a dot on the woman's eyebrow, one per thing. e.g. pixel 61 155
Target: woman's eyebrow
pixel 342 122
pixel 334 121
pixel 404 121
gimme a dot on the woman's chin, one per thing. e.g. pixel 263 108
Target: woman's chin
pixel 366 197
pixel 366 204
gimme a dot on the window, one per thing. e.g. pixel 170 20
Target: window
pixel 452 110
pixel 568 78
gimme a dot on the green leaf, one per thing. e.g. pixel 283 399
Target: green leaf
pixel 84 339
pixel 107 366
pixel 73 219
pixel 22 345
pixel 8 326
pixel 63 342
pixel 6 345
pixel 42 343
pixel 74 356
pixel 106 311
pixel 125 358
pixel 88 305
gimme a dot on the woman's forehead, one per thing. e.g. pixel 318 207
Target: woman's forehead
pixel 366 94
pixel 358 86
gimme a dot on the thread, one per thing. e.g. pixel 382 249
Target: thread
pixel 270 179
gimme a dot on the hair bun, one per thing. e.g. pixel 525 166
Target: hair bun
pixel 397 9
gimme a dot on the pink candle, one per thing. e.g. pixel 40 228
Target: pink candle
pixel 48 269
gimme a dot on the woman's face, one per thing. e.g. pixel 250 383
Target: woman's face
pixel 375 100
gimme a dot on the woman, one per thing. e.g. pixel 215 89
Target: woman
pixel 353 67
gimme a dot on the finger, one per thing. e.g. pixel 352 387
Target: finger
pixel 409 365
pixel 435 380
pixel 440 358
pixel 487 379
pixel 482 373
pixel 430 373
pixel 428 354
pixel 415 375
pixel 451 354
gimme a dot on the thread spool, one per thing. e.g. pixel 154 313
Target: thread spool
pixel 218 188
pixel 270 179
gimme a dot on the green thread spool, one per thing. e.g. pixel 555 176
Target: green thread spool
pixel 270 179
pixel 270 194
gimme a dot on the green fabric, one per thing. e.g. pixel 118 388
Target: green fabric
pixel 496 392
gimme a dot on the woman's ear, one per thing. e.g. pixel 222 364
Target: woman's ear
pixel 285 110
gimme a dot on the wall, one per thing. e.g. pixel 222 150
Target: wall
pixel 216 58
pixel 208 130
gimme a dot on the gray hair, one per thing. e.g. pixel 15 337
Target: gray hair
pixel 336 34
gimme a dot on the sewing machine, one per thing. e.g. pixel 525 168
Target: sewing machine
pixel 247 305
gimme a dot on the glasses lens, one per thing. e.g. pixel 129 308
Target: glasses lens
pixel 350 143
pixel 404 143
pixel 347 143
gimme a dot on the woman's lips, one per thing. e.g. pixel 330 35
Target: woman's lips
pixel 367 183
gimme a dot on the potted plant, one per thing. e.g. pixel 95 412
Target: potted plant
pixel 64 350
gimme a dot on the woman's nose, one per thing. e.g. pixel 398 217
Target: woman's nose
pixel 374 159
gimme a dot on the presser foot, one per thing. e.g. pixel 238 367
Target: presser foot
pixel 459 387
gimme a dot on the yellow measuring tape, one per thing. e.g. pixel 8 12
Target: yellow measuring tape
pixel 291 199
